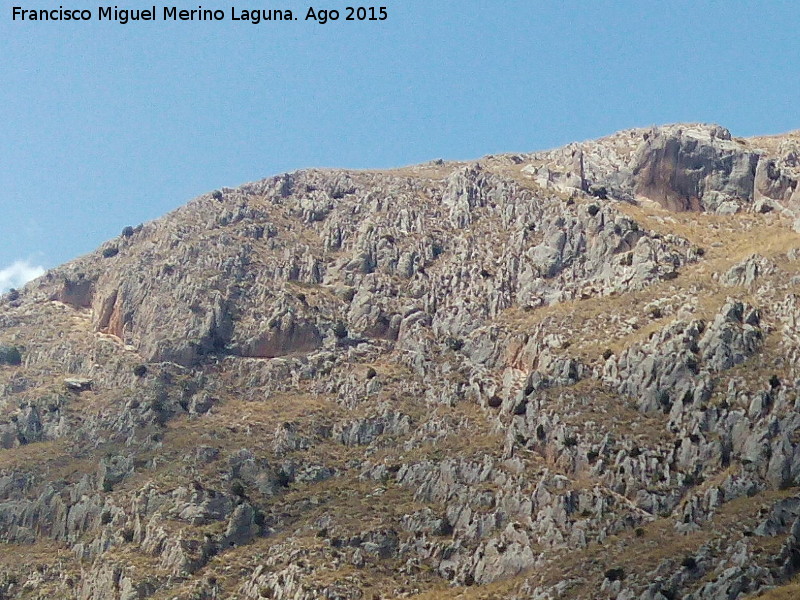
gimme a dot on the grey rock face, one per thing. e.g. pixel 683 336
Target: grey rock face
pixel 696 169
pixel 682 167
pixel 747 272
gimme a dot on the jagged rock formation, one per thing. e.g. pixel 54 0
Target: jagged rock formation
pixel 569 374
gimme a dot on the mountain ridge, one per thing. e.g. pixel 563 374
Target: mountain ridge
pixel 564 374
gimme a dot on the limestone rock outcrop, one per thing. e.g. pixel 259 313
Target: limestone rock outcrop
pixel 570 374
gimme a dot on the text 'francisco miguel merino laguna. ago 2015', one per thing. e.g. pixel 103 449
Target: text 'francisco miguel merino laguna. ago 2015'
pixel 174 13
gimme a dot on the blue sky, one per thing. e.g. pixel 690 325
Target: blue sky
pixel 105 125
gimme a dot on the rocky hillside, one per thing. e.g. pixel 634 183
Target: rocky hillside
pixel 563 375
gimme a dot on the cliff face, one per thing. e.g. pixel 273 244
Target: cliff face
pixel 569 374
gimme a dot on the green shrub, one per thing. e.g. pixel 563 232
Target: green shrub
pixel 283 478
pixel 599 191
pixel 10 355
pixel 237 489
pixel 454 344
pixel 494 402
pixel 689 562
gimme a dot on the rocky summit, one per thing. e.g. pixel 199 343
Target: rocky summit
pixel 571 374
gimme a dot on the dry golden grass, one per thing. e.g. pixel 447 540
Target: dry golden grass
pixel 51 458
pixel 43 552
pixel 789 591
pixel 430 171
pixel 499 590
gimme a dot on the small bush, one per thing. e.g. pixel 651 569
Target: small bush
pixel 340 330
pixel 454 344
pixel 13 295
pixel 127 231
pixel 774 382
pixel 259 518
pixel 617 574
pixel 607 353
pixel 140 370
pixel 10 355
pixel 689 562
pixel 664 400
pixel 494 402
pixel 371 373
pixel 287 186
pixel 693 366
pixel 283 478
pixel 593 210
pixel 216 195
pixel 237 489
pixel 445 527
pixel 110 251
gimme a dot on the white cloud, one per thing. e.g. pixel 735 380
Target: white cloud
pixel 18 274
